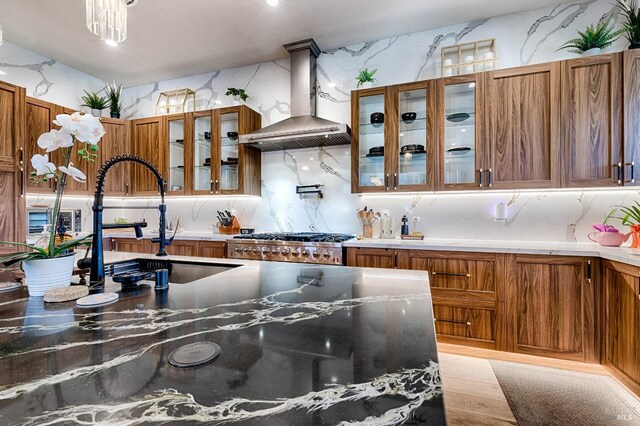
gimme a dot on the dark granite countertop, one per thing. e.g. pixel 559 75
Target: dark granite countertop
pixel 300 344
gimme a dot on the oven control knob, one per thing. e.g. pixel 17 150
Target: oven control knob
pixel 316 254
pixel 256 250
pixel 247 250
pixel 238 250
pixel 275 251
pixel 327 254
pixel 305 253
pixel 295 252
pixel 286 251
pixel 265 250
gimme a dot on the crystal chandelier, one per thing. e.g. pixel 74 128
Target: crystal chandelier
pixel 107 19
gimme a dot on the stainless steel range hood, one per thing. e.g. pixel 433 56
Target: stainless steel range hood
pixel 303 129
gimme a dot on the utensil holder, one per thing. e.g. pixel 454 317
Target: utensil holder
pixel 367 231
pixel 230 230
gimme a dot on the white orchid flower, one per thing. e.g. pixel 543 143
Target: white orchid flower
pixel 55 139
pixel 74 173
pixel 42 165
pixel 85 127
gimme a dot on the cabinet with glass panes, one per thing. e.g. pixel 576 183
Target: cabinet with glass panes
pixel 176 153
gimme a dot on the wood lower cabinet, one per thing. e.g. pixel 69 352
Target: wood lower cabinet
pixel 592 121
pixel 622 318
pixel 468 325
pixel 183 248
pixel 551 308
pixel 215 249
pixel 523 126
pixel 132 245
pixel 372 258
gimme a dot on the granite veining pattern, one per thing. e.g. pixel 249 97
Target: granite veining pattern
pixel 337 345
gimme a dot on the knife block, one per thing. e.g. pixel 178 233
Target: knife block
pixel 230 230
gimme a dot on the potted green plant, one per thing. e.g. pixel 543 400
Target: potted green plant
pixel 95 102
pixel 238 95
pixel 630 217
pixel 631 28
pixel 114 93
pixel 50 265
pixel 365 78
pixel 593 40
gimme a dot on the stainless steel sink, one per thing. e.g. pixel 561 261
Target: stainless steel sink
pixel 180 272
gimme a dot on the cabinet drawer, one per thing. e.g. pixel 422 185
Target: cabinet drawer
pixel 465 322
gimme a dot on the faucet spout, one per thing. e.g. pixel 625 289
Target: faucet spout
pixel 97 254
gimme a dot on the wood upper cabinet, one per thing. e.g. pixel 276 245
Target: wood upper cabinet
pixel 147 143
pixel 116 141
pixel 460 123
pixel 592 121
pixel 523 127
pixel 631 108
pixel 178 143
pixel 551 307
pixel 12 167
pixel 622 318
pixel 39 116
pixel 397 154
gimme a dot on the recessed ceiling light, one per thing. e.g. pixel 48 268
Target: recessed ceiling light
pixel 273 2
pixel 111 43
pixel 332 84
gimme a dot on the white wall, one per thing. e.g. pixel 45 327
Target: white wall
pixel 523 38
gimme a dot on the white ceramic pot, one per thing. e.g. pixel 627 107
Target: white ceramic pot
pixel 96 112
pixel 47 274
pixel 592 52
pixel 236 100
pixel 367 85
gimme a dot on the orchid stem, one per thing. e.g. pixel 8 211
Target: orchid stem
pixel 62 181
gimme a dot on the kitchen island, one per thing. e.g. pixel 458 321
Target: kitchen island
pixel 300 344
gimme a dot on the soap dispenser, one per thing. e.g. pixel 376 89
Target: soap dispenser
pixel 386 225
pixel 404 230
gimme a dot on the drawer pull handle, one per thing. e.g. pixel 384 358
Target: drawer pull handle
pixel 451 274
pixel 467 323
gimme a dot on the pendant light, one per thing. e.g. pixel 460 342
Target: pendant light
pixel 107 19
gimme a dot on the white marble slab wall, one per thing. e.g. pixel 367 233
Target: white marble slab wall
pixel 524 38
pixel 45 78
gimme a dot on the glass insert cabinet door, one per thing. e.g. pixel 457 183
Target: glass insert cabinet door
pixel 413 140
pixel 202 154
pixel 229 151
pixel 459 139
pixel 371 142
pixel 176 153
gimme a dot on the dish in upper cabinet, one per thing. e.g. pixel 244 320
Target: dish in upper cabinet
pixel 458 117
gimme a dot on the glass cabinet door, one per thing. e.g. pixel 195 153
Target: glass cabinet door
pixel 229 151
pixel 460 156
pixel 412 138
pixel 202 154
pixel 371 142
pixel 176 155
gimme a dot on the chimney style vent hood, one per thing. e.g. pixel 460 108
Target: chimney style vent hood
pixel 303 129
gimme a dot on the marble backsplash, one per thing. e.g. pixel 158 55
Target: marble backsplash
pixel 524 38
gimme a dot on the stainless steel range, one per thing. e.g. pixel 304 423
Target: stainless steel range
pixel 305 247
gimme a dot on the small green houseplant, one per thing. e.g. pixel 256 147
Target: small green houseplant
pixel 365 78
pixel 50 264
pixel 631 28
pixel 114 93
pixel 592 40
pixel 238 94
pixel 95 102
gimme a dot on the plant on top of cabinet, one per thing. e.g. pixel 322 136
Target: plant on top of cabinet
pixel 631 28
pixel 365 78
pixel 95 102
pixel 238 94
pixel 592 40
pixel 51 266
pixel 114 93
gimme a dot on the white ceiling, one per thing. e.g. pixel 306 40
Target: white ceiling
pixel 174 38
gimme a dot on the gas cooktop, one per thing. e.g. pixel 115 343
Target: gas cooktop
pixel 305 237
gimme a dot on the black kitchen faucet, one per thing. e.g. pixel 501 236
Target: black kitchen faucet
pixel 97 254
